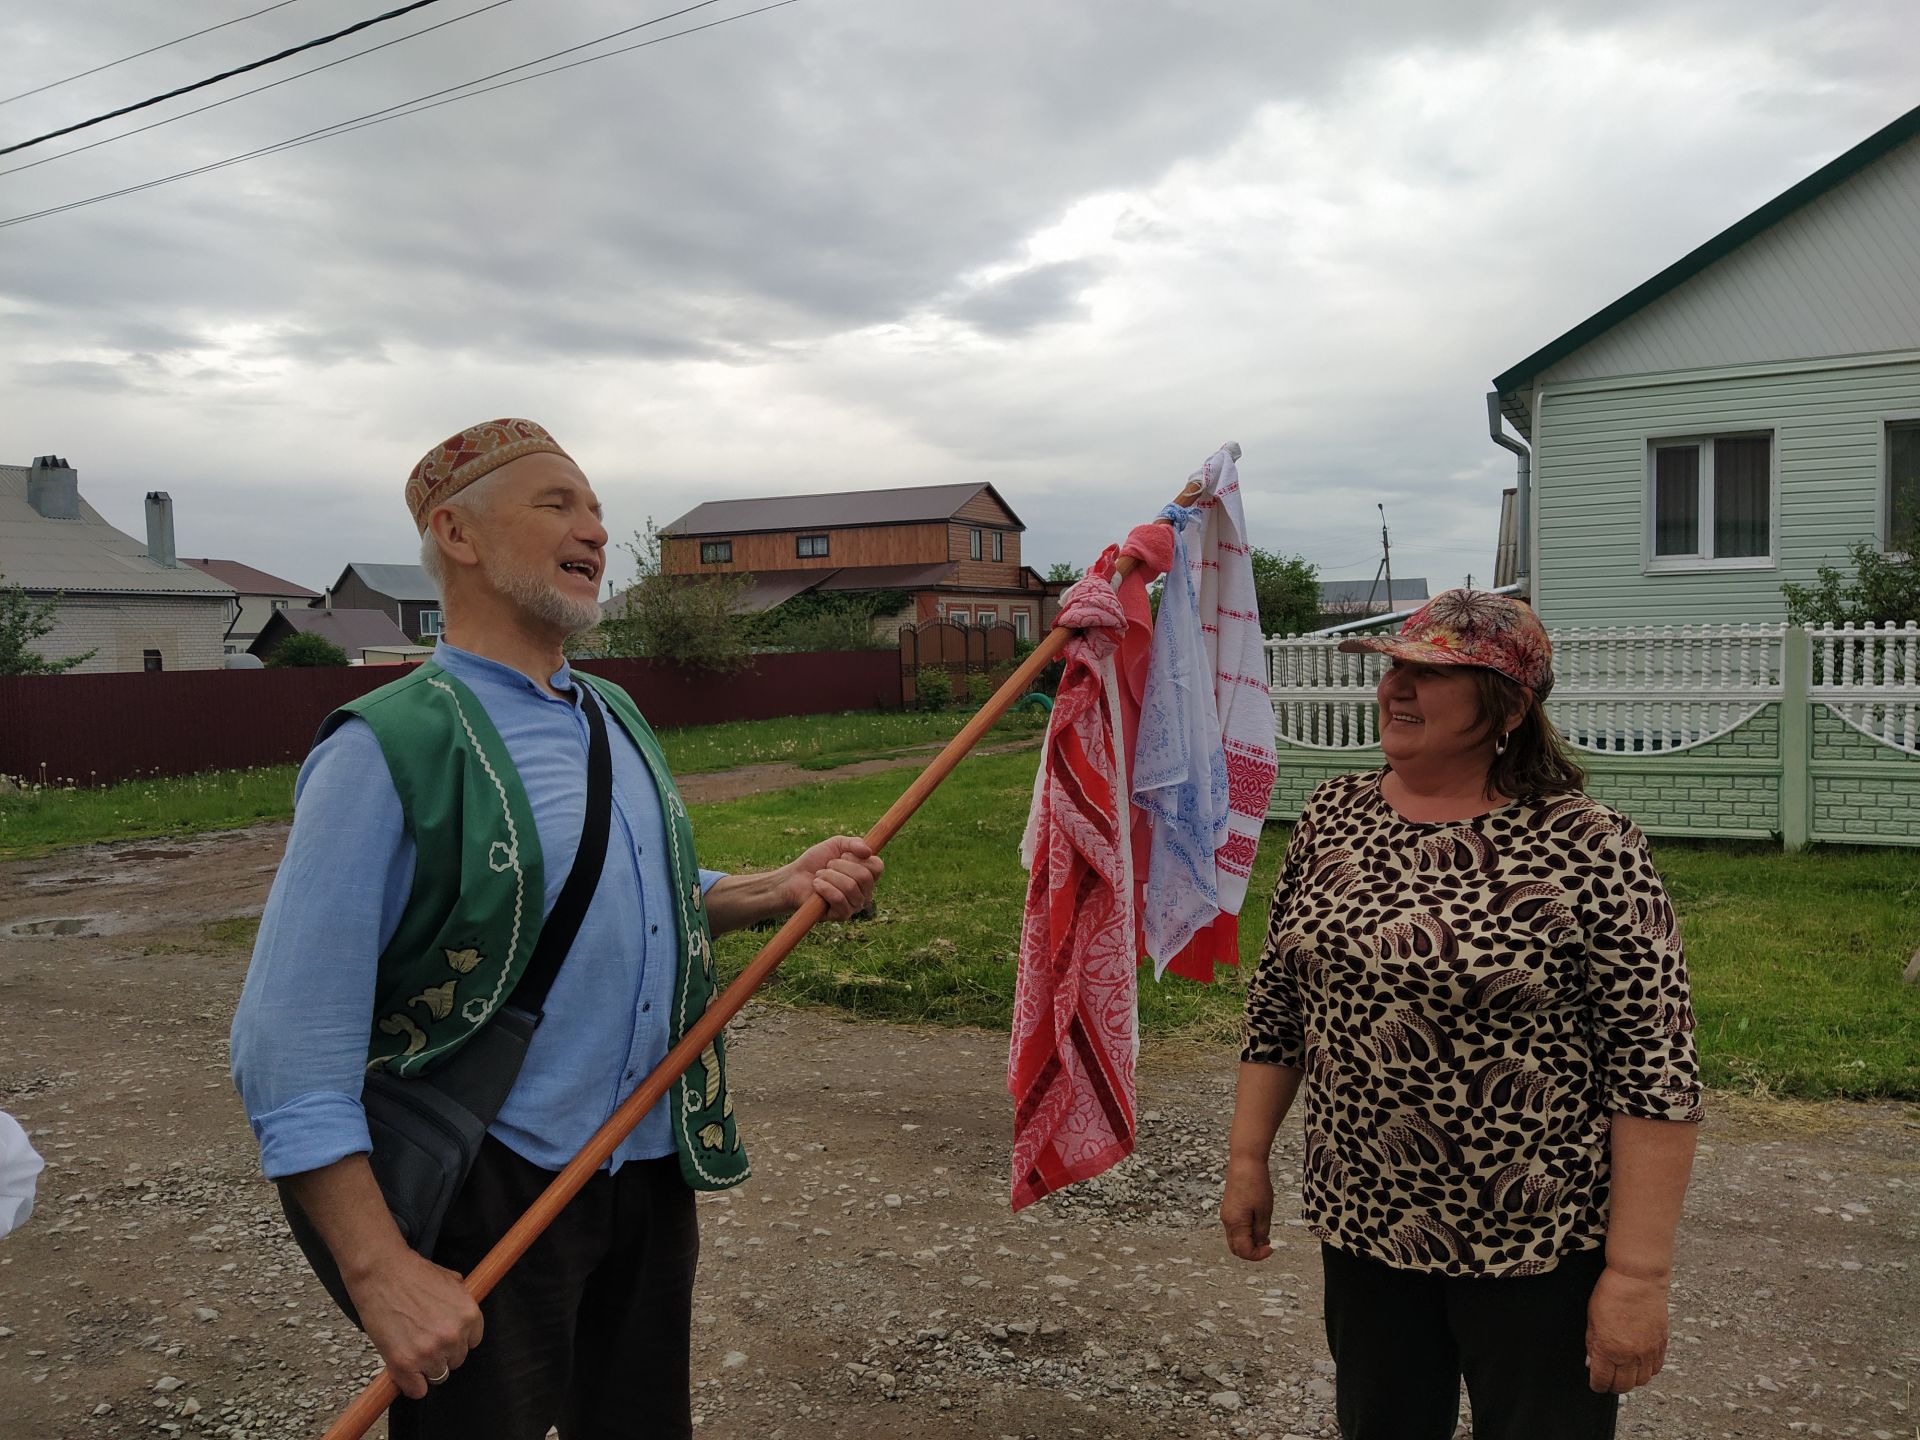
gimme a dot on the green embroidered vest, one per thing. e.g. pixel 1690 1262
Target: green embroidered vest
pixel 479 895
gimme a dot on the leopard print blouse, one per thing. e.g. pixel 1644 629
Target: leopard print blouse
pixel 1471 1002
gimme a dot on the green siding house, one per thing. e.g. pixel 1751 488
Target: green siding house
pixel 1741 418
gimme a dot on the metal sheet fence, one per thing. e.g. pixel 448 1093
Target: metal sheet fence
pixel 1731 731
pixel 99 729
pixel 968 653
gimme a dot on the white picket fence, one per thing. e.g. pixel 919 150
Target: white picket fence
pixel 1870 677
pixel 1649 705
pixel 1615 690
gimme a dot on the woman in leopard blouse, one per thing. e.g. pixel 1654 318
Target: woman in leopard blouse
pixel 1474 978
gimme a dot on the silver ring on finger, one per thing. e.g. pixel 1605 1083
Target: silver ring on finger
pixel 441 1378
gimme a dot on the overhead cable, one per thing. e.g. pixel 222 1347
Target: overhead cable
pixel 8 100
pixel 381 116
pixel 271 84
pixel 353 29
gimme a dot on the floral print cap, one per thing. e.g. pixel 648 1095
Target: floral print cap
pixel 1472 627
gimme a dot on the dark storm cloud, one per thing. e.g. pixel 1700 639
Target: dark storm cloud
pixel 771 231
pixel 1031 298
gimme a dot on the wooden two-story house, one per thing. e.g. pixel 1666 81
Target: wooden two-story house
pixel 952 550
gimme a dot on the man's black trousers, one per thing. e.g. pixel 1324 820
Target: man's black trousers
pixel 1402 1340
pixel 590 1330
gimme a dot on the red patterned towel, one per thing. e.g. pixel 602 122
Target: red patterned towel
pixel 1075 1028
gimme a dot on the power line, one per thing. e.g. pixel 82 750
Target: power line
pixel 381 116
pixel 352 29
pixel 258 89
pixel 148 51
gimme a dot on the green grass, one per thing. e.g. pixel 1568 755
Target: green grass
pixel 943 947
pixel 43 818
pixel 1796 964
pixel 822 742
pixel 1795 959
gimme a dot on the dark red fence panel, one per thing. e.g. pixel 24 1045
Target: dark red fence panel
pixel 966 652
pixel 98 729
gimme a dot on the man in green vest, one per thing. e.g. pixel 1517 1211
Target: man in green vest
pixel 436 821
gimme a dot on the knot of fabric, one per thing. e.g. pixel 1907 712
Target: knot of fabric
pixel 1152 547
pixel 1091 607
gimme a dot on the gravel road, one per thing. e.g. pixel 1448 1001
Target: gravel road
pixel 869 1280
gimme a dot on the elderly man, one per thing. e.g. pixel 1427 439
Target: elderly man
pixel 431 818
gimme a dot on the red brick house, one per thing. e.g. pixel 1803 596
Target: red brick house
pixel 954 550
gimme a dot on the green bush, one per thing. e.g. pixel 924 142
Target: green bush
pixel 304 651
pixel 1884 588
pixel 827 622
pixel 691 619
pixel 933 687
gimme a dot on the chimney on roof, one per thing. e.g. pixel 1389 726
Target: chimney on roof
pixel 53 489
pixel 160 529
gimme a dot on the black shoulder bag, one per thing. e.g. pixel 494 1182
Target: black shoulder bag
pixel 427 1131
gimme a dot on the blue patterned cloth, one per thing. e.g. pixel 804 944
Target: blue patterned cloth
pixel 1179 767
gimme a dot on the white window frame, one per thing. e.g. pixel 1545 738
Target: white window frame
pixel 723 552
pixel 973 544
pixel 1883 469
pixel 961 617
pixel 810 547
pixel 1703 437
pixel 999 545
pixel 432 622
pixel 1023 624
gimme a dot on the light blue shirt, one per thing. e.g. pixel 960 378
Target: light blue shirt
pixel 299 1041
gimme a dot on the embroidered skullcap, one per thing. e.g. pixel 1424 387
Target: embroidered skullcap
pixel 478 450
pixel 1472 627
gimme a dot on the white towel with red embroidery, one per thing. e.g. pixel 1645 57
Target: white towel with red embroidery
pixel 1237 725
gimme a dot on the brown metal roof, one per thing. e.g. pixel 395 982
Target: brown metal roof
pixel 249 581
pixel 890 577
pixel 776 587
pixel 352 630
pixel 841 510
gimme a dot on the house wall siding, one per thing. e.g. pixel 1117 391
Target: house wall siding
pixel 1839 276
pixel 776 549
pixel 353 593
pixel 185 629
pixel 983 509
pixel 1591 486
pixel 985 570
pixel 255 611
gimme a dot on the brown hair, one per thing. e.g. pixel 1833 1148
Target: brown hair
pixel 1536 761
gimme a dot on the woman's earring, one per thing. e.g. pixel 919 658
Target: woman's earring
pixel 1500 745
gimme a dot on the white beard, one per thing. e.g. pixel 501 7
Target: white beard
pixel 541 598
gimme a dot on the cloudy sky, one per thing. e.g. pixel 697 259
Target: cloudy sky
pixel 1064 246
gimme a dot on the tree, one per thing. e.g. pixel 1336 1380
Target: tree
pixel 812 621
pixel 24 620
pixel 305 651
pixel 692 619
pixel 1885 587
pixel 1288 589
pixel 1061 573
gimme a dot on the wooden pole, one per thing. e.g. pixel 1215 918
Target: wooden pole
pixel 372 1402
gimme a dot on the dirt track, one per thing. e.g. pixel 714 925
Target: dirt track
pixel 869 1280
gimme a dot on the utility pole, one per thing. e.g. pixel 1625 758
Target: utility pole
pixel 1384 567
pixel 1386 554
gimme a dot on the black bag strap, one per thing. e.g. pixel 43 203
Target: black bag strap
pixel 563 923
